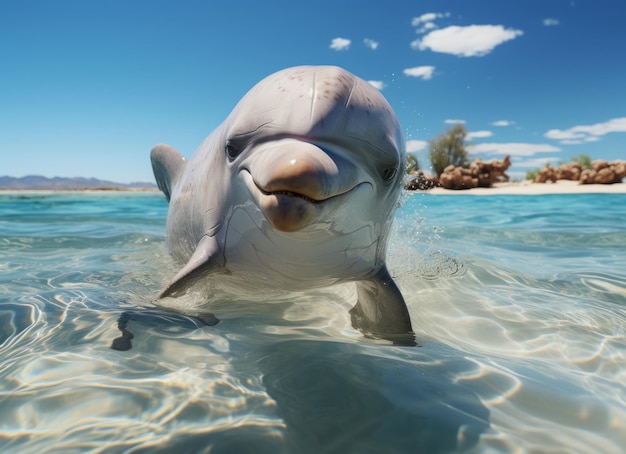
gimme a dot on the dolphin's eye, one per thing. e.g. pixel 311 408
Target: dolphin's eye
pixel 232 151
pixel 389 173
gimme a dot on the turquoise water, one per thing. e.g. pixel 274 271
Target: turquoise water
pixel 518 303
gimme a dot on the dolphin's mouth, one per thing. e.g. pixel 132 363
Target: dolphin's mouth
pixel 307 198
pixel 314 196
pixel 286 207
pixel 290 194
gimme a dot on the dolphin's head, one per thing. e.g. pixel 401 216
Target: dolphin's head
pixel 306 136
pixel 318 149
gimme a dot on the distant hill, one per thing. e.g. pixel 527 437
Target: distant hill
pixel 60 183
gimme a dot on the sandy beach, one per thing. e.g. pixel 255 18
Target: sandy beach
pixel 513 188
pixel 530 188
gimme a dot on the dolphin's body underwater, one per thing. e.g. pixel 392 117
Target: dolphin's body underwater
pixel 295 190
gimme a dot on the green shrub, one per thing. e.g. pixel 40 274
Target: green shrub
pixel 449 149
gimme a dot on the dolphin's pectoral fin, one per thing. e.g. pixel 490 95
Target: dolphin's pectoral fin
pixel 380 310
pixel 201 262
pixel 154 318
pixel 123 343
pixel 167 166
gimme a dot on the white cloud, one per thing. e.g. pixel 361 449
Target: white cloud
pixel 534 163
pixel 571 142
pixel 579 141
pixel 478 135
pixel 371 43
pixel 470 41
pixel 427 26
pixel 502 123
pixel 425 72
pixel 589 133
pixel 454 122
pixel 428 17
pixel 550 22
pixel 513 149
pixel 426 22
pixel 340 44
pixel 378 84
pixel 413 146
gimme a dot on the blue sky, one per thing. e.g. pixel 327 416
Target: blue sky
pixel 87 87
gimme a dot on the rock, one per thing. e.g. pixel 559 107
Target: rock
pixel 600 164
pixel 619 167
pixel 478 174
pixel 548 173
pixel 569 171
pixel 604 172
pixel 422 182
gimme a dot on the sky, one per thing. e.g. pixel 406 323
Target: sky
pixel 87 87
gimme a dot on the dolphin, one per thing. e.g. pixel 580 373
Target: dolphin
pixel 295 190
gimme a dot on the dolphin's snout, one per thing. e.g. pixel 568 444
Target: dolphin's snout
pixel 301 168
pixel 294 177
pixel 302 174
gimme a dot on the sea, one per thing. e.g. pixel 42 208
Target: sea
pixel 518 305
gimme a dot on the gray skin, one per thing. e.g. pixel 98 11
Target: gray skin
pixel 295 190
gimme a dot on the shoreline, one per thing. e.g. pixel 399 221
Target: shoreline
pixel 514 188
pixel 78 190
pixel 531 188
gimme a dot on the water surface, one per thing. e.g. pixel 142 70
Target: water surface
pixel 518 303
